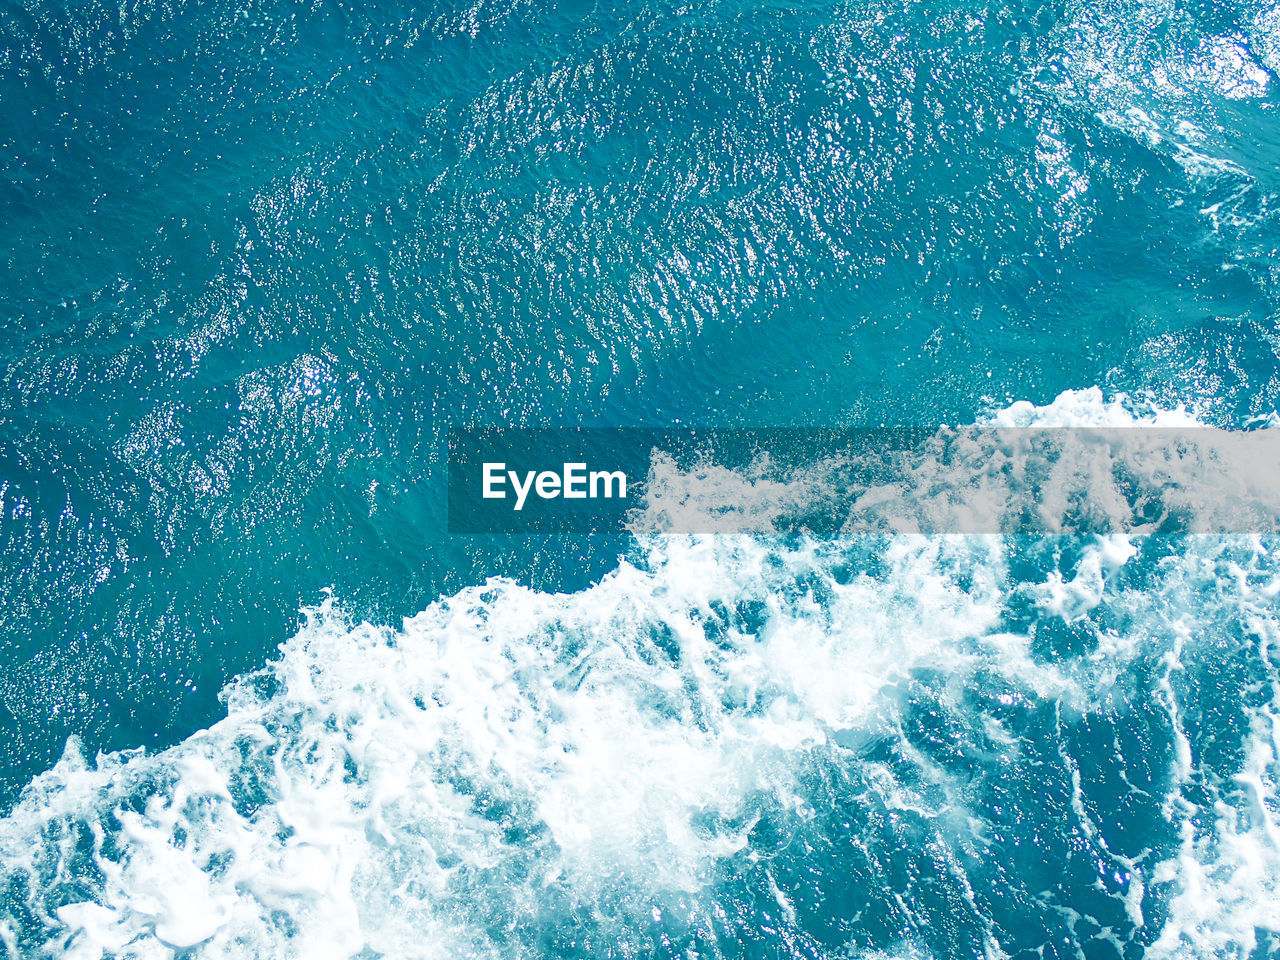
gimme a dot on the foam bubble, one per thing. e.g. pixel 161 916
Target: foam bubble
pixel 882 745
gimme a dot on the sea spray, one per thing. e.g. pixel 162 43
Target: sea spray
pixel 729 745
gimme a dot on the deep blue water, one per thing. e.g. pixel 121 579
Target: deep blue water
pixel 259 259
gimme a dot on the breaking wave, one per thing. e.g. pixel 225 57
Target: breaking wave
pixel 729 746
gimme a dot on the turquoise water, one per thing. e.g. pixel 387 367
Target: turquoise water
pixel 259 261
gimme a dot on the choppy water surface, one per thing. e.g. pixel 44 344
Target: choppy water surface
pixel 258 260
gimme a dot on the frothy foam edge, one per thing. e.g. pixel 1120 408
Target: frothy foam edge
pixel 509 760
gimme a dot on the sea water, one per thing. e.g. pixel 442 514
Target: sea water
pixel 260 259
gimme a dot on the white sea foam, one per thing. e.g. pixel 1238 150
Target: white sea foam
pixel 1091 408
pixel 1122 467
pixel 415 791
pixel 510 763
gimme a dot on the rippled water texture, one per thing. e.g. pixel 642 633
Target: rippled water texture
pixel 259 258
